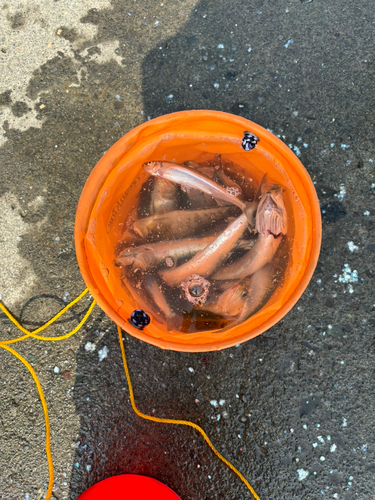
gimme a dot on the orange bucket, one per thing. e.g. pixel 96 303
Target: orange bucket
pixel 112 188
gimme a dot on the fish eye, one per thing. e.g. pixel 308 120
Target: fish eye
pixel 243 294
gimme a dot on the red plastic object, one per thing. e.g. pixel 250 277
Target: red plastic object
pixel 129 487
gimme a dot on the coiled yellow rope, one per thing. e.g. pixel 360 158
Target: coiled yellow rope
pixel 34 334
pixel 4 345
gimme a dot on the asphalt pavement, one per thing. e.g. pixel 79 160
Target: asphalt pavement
pixel 293 409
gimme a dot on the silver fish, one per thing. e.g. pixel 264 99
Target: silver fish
pixel 142 301
pixel 260 287
pixel 155 291
pixel 191 179
pixel 206 261
pixel 146 256
pixel 180 223
pixel 271 222
pixel 261 253
pixel 230 303
pixel 197 197
pixel 163 197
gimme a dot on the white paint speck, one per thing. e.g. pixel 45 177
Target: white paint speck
pixel 320 439
pixel 367 213
pixel 342 192
pixel 157 23
pixel 333 448
pixel 88 468
pixel 344 146
pixel 57 239
pixel 103 353
pixel 191 369
pixel 288 43
pixel 344 422
pixel 352 247
pixel 222 402
pixel 56 369
pixel 315 445
pixel 322 459
pixel 348 276
pixel 90 347
pixel 220 46
pixel 213 403
pixel 170 96
pixel 249 49
pixel 297 150
pixel 302 474
pixel 304 426
pixel 216 85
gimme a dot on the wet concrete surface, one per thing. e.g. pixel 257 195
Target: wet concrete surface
pixel 298 399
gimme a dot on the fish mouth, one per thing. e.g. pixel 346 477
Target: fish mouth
pixel 152 167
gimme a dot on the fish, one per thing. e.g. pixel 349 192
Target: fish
pixel 271 214
pixel 258 256
pixel 189 178
pixel 196 197
pixel 154 289
pixel 142 302
pixel 230 303
pixel 146 256
pixel 230 186
pixel 206 261
pixel 259 288
pixel 164 196
pixel 271 222
pixel 180 223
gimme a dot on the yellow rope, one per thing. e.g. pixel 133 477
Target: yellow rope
pixel 52 320
pixel 34 333
pixel 177 422
pixel 46 419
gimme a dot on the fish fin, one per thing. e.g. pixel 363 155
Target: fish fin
pixel 191 164
pixel 262 181
pixel 250 211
